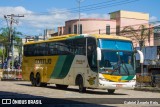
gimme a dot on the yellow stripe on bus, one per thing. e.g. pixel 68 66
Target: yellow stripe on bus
pixel 113 78
pixel 51 67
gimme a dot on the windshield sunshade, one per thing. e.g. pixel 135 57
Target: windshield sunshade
pixel 115 45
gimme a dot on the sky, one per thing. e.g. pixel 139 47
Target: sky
pixel 49 14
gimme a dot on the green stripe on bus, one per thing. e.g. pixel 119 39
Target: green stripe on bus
pixel 62 67
pixel 127 77
pixel 66 66
pixel 124 77
pixel 58 67
pixel 130 77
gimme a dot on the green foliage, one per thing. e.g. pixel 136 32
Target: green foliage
pixel 1 52
pixel 141 33
pixel 5 39
pixel 4 36
pixel 4 32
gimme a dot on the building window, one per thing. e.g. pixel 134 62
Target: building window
pixel 80 28
pixel 75 29
pixel 69 30
pixel 108 29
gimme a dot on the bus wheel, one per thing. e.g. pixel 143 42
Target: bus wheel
pixel 61 86
pixel 32 79
pixel 111 91
pixel 43 84
pixel 81 85
pixel 38 80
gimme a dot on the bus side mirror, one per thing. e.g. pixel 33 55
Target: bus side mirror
pixel 141 56
pixel 135 50
pixel 99 54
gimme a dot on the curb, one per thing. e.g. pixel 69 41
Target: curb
pixel 11 79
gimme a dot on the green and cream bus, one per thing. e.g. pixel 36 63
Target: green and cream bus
pixel 86 61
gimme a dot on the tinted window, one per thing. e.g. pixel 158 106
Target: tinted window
pixel 67 47
pixel 75 29
pixel 115 45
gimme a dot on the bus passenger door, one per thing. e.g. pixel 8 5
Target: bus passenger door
pixel 92 74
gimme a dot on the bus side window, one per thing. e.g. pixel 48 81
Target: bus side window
pixel 79 46
pixel 47 49
pixel 25 50
pixel 69 47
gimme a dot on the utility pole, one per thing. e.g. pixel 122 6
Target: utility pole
pixel 79 6
pixel 11 20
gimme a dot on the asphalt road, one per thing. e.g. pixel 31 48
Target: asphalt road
pixel 51 95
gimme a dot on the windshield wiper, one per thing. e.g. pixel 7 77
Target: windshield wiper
pixel 119 66
pixel 126 69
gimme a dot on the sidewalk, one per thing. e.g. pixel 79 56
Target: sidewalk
pixel 151 89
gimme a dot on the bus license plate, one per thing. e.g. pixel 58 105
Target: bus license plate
pixel 119 85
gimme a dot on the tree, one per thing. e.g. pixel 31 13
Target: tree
pixel 5 39
pixel 4 42
pixel 1 53
pixel 139 34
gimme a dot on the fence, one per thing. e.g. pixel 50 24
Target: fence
pixel 148 79
pixel 11 74
pixel 145 78
pixel 157 80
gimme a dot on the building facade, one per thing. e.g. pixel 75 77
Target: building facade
pixel 157 36
pixel 134 20
pixel 117 22
pixel 89 26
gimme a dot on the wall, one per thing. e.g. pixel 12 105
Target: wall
pixel 133 19
pixel 91 26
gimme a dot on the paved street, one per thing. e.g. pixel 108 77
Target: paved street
pixel 23 89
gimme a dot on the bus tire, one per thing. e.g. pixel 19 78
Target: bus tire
pixel 32 79
pixel 61 86
pixel 111 91
pixel 81 84
pixel 43 84
pixel 38 80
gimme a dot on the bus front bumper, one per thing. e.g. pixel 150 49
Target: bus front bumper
pixel 103 84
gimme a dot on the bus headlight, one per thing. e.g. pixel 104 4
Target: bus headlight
pixel 103 79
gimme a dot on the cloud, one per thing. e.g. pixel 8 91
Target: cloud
pixel 33 22
pixel 153 18
pixel 154 21
pixel 95 15
pixel 13 10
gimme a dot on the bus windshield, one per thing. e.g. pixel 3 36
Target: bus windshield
pixel 117 57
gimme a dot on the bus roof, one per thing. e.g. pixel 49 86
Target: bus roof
pixel 74 36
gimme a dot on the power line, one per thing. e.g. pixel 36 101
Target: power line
pixel 73 10
pixel 137 25
pixel 108 5
pixel 96 30
pixel 88 7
